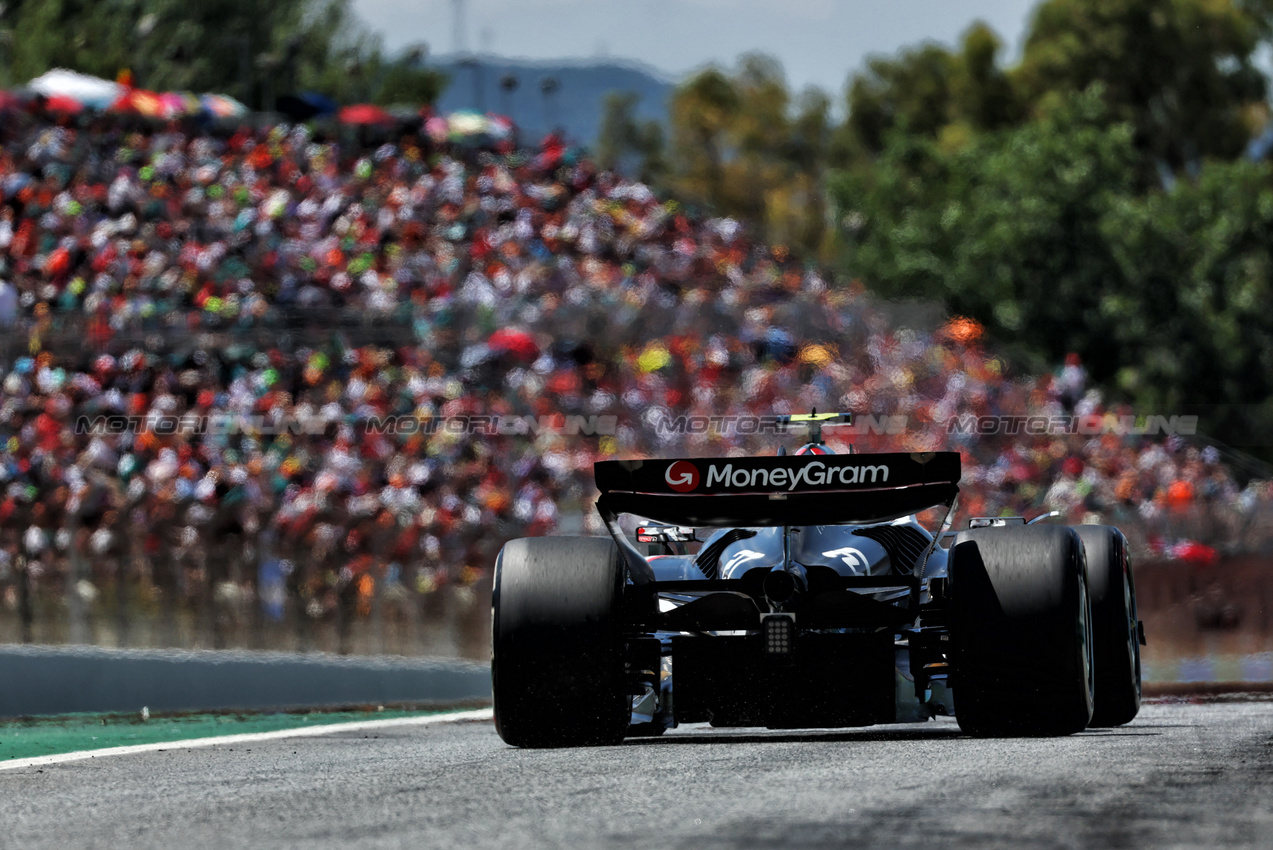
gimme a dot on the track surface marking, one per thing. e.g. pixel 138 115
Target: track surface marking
pixel 247 738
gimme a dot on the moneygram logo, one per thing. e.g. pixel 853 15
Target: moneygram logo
pixel 682 476
pixel 815 474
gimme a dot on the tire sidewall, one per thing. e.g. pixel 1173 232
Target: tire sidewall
pixel 557 660
pixel 1021 630
pixel 1117 650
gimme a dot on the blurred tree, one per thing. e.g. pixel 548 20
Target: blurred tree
pixel 702 112
pixel 756 140
pixel 912 92
pixel 982 95
pixel 809 138
pixel 741 147
pixel 63 32
pixel 618 135
pixel 1192 321
pixel 928 91
pixel 1006 230
pixel 1044 233
pixel 626 143
pixel 1180 71
pixel 251 50
pixel 405 79
pixel 652 145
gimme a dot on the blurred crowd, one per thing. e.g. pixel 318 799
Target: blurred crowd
pixel 273 278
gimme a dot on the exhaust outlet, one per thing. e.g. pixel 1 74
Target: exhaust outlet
pixel 781 585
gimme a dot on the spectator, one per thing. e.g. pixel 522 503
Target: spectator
pixel 8 305
pixel 287 295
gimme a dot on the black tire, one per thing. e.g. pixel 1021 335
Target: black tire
pixel 1116 638
pixel 557 653
pixel 1020 632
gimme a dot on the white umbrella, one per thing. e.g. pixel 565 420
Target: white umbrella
pixel 88 90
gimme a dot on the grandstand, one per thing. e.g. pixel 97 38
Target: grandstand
pixel 170 269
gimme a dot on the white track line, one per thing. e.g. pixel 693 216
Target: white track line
pixel 249 738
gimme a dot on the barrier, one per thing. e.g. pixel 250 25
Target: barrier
pixel 61 680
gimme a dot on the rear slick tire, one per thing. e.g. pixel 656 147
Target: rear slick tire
pixel 1116 636
pixel 557 665
pixel 1021 632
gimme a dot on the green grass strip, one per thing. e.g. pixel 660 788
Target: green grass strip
pixel 42 736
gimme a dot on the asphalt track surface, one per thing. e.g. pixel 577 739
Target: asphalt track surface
pixel 1179 776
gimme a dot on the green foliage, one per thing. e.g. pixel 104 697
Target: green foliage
pixel 1006 229
pixel 702 114
pixel 929 92
pixel 623 137
pixel 1043 233
pixel 1192 322
pixel 1033 198
pixel 253 51
pixel 1180 71
pixel 404 82
pixel 1090 199
pixel 911 92
pixel 982 94
pixel 742 146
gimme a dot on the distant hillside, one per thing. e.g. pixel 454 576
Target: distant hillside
pixel 576 106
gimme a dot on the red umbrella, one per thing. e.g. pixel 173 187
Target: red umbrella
pixel 63 103
pixel 1196 554
pixel 364 113
pixel 518 343
pixel 139 101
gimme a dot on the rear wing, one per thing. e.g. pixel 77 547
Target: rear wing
pixel 772 491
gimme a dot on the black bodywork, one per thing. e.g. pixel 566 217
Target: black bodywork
pixel 813 541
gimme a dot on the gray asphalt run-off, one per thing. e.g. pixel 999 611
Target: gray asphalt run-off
pixel 1179 776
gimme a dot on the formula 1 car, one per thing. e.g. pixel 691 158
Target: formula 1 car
pixel 817 600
